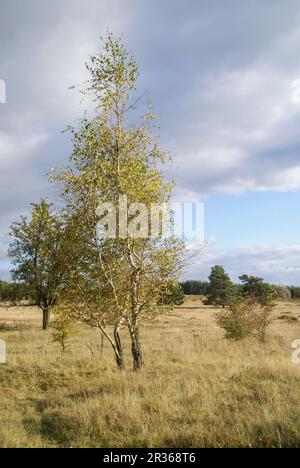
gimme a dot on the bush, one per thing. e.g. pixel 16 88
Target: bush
pixel 64 329
pixel 260 321
pixel 236 320
pixel 245 318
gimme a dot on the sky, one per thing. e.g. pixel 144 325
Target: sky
pixel 224 77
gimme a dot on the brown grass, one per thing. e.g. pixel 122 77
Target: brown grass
pixel 197 389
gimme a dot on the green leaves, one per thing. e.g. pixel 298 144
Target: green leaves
pixel 95 280
pixel 220 287
pixel 260 292
pixel 116 280
pixel 39 251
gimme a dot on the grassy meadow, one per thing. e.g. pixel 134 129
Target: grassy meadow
pixel 197 389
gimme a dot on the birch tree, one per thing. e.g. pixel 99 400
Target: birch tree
pixel 117 160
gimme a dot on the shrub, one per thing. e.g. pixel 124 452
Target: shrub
pixel 260 321
pixel 245 318
pixel 236 320
pixel 63 329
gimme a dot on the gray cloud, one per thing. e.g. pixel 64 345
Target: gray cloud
pixel 220 73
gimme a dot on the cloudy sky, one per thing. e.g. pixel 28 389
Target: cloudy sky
pixel 224 76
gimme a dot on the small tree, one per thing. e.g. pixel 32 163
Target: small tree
pixel 220 288
pixel 236 320
pixel 39 251
pixel 245 318
pixel 63 329
pixel 255 288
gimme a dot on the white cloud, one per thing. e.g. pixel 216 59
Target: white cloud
pixel 15 150
pixel 278 264
pixel 295 97
pixel 233 128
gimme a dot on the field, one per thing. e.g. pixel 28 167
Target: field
pixel 197 389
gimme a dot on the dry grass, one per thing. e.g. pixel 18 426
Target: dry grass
pixel 197 390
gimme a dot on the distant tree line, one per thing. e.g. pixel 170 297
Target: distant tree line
pixel 194 287
pixel 200 287
pixel 13 292
pixel 16 292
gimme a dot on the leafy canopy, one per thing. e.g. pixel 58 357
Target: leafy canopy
pixel 220 287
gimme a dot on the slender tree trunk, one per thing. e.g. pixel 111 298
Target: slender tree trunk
pixel 120 361
pixel 46 319
pixel 136 348
pixel 118 349
pixel 115 342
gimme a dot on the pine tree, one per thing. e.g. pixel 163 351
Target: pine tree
pixel 220 287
